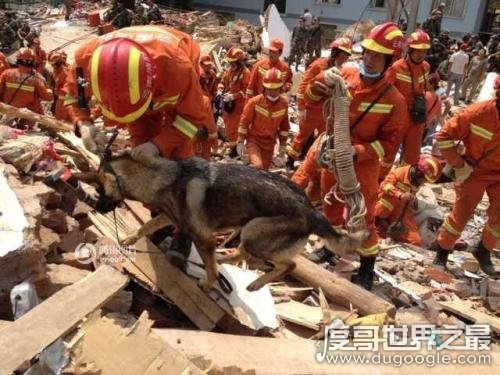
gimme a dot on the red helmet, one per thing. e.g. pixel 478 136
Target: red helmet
pixel 385 38
pixel 276 45
pixel 419 40
pixel 26 54
pixel 273 79
pixel 121 77
pixel 343 44
pixel 235 54
pixel 57 57
pixel 430 167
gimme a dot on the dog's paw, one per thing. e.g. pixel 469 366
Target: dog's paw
pixel 256 285
pixel 206 285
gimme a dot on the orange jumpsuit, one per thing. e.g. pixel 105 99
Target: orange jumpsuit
pixel 411 133
pixel 203 149
pixel 23 87
pixel 235 83
pixel 262 122
pixel 376 135
pixel 174 116
pixel 478 127
pixel 40 59
pixel 208 82
pixel 313 106
pixel 4 64
pixel 390 206
pixel 259 70
pixel 308 174
pixel 60 73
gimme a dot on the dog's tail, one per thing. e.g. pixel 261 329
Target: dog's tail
pixel 337 241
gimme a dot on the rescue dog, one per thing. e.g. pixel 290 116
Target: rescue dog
pixel 201 198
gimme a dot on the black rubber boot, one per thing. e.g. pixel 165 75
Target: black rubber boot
pixel 366 273
pixel 441 258
pixel 483 256
pixel 290 164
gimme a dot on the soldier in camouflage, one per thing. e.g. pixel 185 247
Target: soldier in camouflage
pixel 299 40
pixel 314 41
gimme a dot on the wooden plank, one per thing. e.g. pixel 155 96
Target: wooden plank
pixel 468 313
pixel 151 267
pixel 45 121
pixel 56 316
pixel 128 351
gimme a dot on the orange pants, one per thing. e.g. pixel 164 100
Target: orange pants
pixel 61 111
pixel 203 149
pixel 367 174
pixel 468 195
pixel 171 142
pixel 389 207
pixel 412 143
pixel 308 177
pixel 314 120
pixel 232 121
pixel 259 157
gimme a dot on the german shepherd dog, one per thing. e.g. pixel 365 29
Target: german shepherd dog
pixel 202 198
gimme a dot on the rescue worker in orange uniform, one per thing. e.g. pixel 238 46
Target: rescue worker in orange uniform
pixel 264 119
pixel 144 77
pixel 310 107
pixel 409 75
pixel 376 114
pixel 261 67
pixel 235 81
pixel 23 87
pixel 4 64
pixel 397 193
pixel 40 56
pixel 475 172
pixel 208 77
pixel 59 71
pixel 308 174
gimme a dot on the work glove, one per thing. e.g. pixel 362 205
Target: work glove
pixel 145 152
pixel 240 149
pixel 88 133
pixel 462 174
pixel 228 97
pixel 202 133
pixel 302 115
pixel 410 198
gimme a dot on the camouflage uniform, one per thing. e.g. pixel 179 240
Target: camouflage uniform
pixel 140 17
pixel 299 40
pixel 123 18
pixel 314 42
pixel 7 36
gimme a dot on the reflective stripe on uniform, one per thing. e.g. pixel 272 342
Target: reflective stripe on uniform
pixel 445 144
pixel 383 164
pixel 481 132
pixel 261 110
pixel 366 251
pixel 450 228
pixel 313 97
pixel 403 77
pixel 376 108
pixel 283 133
pixel 16 86
pixel 386 204
pixel 279 113
pixel 262 70
pixel 494 232
pixel 172 100
pixel 377 146
pixel 249 92
pixel 300 95
pixel 242 130
pixel 292 152
pixel 185 127
pixel 403 187
pixel 68 100
pixel 423 78
pixel 387 188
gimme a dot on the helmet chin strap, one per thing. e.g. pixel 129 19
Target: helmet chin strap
pixel 273 98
